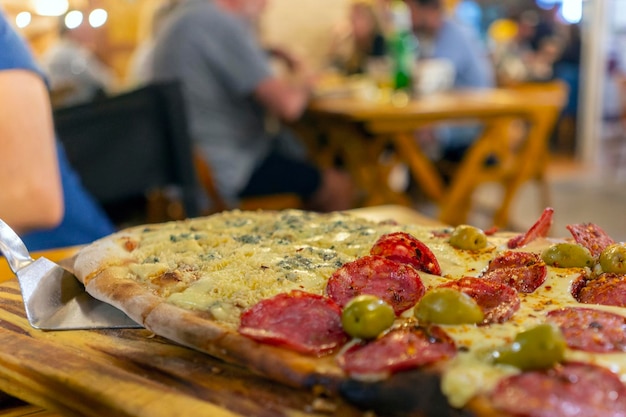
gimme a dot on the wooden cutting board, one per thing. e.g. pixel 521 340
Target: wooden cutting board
pixel 134 373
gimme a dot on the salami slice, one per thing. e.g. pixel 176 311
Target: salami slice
pixel 573 389
pixel 398 284
pixel 590 236
pixel 607 289
pixel 404 248
pixel 591 330
pixel 523 271
pixel 514 259
pixel 525 279
pixel 539 229
pixel 398 350
pixel 498 301
pixel 300 321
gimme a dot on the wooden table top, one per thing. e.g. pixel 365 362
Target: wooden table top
pixel 450 104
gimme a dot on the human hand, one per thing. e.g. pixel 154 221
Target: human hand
pixel 291 60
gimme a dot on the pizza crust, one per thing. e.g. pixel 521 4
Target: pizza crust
pixel 99 255
pixel 196 331
pixel 111 286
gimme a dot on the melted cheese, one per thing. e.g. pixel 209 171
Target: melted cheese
pixel 228 262
pixel 471 373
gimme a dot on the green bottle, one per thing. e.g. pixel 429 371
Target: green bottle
pixel 402 46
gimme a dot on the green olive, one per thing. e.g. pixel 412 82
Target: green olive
pixel 613 258
pixel 448 306
pixel 567 255
pixel 367 316
pixel 468 237
pixel 537 348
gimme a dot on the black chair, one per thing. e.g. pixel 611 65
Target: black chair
pixel 128 146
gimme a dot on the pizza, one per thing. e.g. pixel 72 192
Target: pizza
pixel 395 318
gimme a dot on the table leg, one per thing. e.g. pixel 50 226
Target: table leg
pixel 361 154
pixel 473 170
pixel 422 169
pixel 531 164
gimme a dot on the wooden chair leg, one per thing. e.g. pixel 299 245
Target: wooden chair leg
pixel 208 183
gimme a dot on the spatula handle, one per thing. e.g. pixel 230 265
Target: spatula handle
pixel 13 248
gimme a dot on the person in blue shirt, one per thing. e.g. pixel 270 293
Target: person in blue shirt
pixel 41 197
pixel 441 37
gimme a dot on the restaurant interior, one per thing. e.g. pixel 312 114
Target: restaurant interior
pixel 584 171
pixel 550 131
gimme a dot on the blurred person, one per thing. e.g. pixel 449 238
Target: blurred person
pixel 441 37
pixel 541 63
pixel 76 75
pixel 568 67
pixel 139 71
pixel 517 61
pixel 511 56
pixel 546 25
pixel 229 89
pixel 41 197
pixel 363 39
pixel 469 13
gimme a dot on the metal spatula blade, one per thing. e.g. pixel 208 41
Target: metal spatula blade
pixel 54 299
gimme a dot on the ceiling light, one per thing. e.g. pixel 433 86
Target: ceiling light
pixel 50 7
pixel 572 11
pixel 23 19
pixel 73 19
pixel 98 17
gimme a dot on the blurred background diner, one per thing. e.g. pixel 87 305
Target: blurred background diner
pixel 42 198
pixel 360 40
pixel 75 73
pixel 345 48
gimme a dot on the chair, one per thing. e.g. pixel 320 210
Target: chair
pixel 265 202
pixel 497 156
pixel 131 150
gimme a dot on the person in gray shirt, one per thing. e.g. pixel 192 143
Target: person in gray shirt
pixel 230 90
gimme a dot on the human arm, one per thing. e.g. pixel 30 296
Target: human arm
pixel 31 196
pixel 286 95
pixel 285 98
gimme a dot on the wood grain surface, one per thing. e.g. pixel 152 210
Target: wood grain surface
pixel 134 373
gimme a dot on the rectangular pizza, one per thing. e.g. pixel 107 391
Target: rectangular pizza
pixel 399 319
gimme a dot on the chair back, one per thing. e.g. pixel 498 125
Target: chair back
pixel 128 145
pixel 510 159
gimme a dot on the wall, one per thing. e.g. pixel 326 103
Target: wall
pixel 304 26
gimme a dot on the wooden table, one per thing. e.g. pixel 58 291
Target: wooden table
pixel 361 131
pixel 131 372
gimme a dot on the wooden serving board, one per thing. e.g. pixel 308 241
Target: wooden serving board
pixel 134 373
